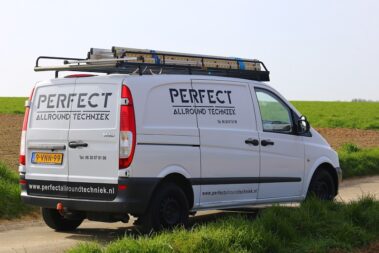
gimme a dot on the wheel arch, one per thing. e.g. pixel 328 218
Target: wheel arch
pixel 328 167
pixel 182 182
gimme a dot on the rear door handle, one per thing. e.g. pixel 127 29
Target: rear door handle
pixel 267 142
pixel 254 142
pixel 76 144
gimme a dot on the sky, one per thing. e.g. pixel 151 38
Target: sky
pixel 315 50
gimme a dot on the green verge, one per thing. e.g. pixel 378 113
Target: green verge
pixel 10 201
pixel 361 115
pixel 357 162
pixel 12 105
pixel 315 226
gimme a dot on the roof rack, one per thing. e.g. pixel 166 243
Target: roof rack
pixel 150 62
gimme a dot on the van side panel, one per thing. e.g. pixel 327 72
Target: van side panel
pixel 229 165
pixel 157 112
pixel 167 132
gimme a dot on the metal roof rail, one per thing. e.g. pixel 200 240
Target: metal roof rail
pixel 150 62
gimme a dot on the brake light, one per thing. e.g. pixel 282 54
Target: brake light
pixel 79 75
pixel 24 128
pixel 127 128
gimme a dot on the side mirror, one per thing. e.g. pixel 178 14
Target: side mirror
pixel 303 126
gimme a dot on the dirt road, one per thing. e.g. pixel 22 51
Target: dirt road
pixel 34 236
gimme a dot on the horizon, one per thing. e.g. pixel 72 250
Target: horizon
pixel 324 51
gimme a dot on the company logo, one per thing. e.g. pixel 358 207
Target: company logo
pixel 80 100
pixel 202 102
pixel 201 96
pixel 85 106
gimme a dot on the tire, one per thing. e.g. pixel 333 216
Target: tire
pixel 322 186
pixel 168 209
pixel 57 222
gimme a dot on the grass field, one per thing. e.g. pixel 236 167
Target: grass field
pixel 12 105
pixel 357 162
pixel 10 201
pixel 361 115
pixel 313 227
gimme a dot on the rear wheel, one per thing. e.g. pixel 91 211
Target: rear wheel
pixel 57 222
pixel 168 209
pixel 322 186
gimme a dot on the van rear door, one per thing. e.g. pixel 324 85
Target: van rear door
pixel 93 142
pixel 46 138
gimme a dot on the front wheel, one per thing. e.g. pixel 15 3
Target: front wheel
pixel 168 209
pixel 322 186
pixel 57 222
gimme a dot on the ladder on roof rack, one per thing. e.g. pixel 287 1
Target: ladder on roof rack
pixel 150 62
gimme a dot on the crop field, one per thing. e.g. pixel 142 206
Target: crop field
pixel 355 115
pixel 12 105
pixel 359 115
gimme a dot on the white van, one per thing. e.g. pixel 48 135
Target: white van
pixel 160 146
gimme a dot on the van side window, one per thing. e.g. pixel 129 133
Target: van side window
pixel 276 116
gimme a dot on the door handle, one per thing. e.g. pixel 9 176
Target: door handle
pixel 267 142
pixel 254 142
pixel 76 144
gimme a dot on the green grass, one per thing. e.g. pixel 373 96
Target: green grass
pixel 357 162
pixel 361 115
pixel 313 227
pixel 10 201
pixel 12 105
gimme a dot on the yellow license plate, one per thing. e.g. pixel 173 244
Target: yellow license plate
pixel 47 158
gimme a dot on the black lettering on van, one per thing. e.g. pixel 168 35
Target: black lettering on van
pixel 90 98
pixel 183 95
pixel 210 96
pixel 229 92
pixel 61 99
pixel 50 100
pixel 80 100
pixel 173 93
pixel 70 99
pixel 108 94
pixel 41 98
pixel 193 96
pixel 218 97
pixel 201 95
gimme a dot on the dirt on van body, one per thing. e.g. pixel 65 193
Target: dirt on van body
pixel 10 133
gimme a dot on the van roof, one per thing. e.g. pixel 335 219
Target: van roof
pixel 152 78
pixel 151 62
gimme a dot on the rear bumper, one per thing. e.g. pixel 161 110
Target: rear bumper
pixel 133 200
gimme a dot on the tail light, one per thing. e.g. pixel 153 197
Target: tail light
pixel 24 128
pixel 127 128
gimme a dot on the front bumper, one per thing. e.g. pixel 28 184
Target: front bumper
pixel 133 200
pixel 339 174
